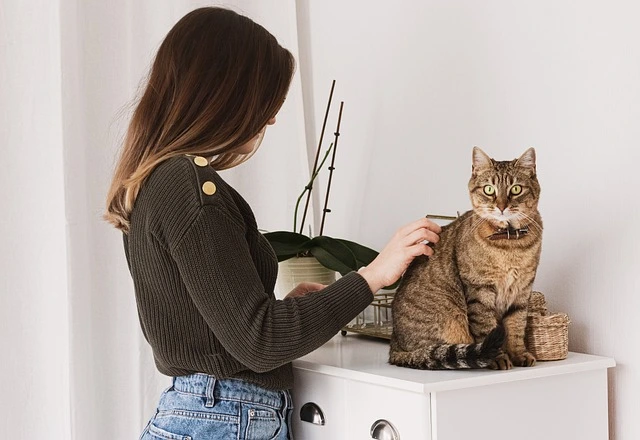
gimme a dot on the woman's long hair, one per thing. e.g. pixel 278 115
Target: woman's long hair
pixel 216 81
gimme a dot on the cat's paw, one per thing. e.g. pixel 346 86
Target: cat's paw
pixel 524 359
pixel 501 362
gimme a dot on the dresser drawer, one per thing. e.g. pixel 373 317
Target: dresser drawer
pixel 568 406
pixel 351 408
pixel 406 411
pixel 326 393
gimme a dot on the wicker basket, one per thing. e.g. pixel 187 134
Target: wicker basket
pixel 547 336
pixel 537 304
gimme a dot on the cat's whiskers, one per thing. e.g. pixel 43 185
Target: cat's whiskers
pixel 532 221
pixel 476 225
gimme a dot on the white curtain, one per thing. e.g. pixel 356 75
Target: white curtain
pixel 74 362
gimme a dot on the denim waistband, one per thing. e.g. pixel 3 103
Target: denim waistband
pixel 205 385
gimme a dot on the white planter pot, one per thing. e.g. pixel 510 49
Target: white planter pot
pixel 295 270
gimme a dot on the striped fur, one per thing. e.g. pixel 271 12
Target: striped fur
pixel 452 356
pixel 466 306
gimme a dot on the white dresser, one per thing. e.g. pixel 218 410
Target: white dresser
pixel 348 385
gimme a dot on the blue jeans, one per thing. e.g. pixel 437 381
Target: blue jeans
pixel 200 407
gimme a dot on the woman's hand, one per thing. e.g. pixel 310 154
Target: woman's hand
pixel 404 246
pixel 304 288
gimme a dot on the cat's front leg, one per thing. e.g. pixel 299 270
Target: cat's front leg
pixel 481 312
pixel 482 320
pixel 515 323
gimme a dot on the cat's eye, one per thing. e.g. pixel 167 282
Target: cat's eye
pixel 489 190
pixel 516 189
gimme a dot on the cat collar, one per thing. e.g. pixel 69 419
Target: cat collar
pixel 509 234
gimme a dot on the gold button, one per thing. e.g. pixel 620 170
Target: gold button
pixel 209 188
pixel 201 161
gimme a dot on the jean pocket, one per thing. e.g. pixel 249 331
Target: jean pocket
pixel 262 423
pixel 155 433
pixel 195 424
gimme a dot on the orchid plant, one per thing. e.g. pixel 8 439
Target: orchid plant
pixel 337 254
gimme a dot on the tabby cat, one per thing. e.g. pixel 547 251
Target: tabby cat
pixel 466 306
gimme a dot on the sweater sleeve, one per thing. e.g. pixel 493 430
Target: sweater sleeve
pixel 258 330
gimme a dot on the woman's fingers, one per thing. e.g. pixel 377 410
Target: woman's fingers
pixel 421 235
pixel 407 243
pixel 420 249
pixel 312 287
pixel 418 224
pixel 304 288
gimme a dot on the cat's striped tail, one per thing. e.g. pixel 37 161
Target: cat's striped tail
pixel 451 356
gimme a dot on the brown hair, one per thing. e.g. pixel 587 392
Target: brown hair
pixel 216 81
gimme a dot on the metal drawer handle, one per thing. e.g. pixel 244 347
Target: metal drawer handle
pixel 384 430
pixel 310 412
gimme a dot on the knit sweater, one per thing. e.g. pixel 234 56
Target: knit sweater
pixel 204 278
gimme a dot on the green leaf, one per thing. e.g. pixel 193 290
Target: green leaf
pixel 333 254
pixel 286 236
pixel 363 254
pixel 336 254
pixel 288 244
pixel 329 261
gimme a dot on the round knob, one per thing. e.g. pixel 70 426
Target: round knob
pixel 384 430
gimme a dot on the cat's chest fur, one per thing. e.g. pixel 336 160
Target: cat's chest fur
pixel 508 267
pixel 508 279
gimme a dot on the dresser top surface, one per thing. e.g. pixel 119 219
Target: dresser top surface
pixel 366 359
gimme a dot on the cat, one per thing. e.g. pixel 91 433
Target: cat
pixel 466 306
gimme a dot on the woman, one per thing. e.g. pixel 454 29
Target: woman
pixel 203 274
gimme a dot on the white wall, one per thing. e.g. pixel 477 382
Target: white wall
pixel 425 81
pixel 33 278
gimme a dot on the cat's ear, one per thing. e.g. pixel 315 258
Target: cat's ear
pixel 480 161
pixel 528 160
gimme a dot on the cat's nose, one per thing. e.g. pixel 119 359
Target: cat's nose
pixel 502 206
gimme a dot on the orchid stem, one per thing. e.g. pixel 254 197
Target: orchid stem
pixel 308 187
pixel 315 163
pixel 331 168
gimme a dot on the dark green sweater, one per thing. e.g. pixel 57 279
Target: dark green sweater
pixel 204 278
